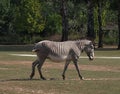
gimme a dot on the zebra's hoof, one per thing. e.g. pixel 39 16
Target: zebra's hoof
pixel 43 78
pixel 82 78
pixel 30 78
pixel 63 76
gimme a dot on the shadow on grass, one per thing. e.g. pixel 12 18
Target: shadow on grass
pixel 27 79
pixel 57 79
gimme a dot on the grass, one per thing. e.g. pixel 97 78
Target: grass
pixel 15 70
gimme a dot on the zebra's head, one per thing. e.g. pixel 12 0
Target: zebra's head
pixel 89 49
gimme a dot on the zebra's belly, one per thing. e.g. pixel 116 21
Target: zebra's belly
pixel 57 58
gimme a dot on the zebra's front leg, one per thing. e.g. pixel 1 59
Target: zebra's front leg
pixel 76 65
pixel 33 68
pixel 65 68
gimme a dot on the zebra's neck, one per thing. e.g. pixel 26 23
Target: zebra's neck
pixel 80 44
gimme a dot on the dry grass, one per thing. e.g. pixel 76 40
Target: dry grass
pixel 101 76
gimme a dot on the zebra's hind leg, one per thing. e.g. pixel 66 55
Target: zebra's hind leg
pixel 39 68
pixel 65 68
pixel 33 68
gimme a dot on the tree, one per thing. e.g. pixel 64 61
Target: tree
pixel 119 24
pixel 7 16
pixel 64 21
pixel 77 17
pixel 100 43
pixel 55 13
pixel 115 5
pixel 90 16
pixel 29 18
pixel 53 19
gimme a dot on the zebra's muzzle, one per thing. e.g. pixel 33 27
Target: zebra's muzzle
pixel 34 50
pixel 91 58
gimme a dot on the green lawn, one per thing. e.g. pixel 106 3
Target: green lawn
pixel 102 76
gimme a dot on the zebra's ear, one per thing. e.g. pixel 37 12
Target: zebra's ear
pixel 93 44
pixel 82 49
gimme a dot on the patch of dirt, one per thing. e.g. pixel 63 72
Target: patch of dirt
pixel 4 68
pixel 16 62
pixel 99 79
pixel 51 65
pixel 20 90
pixel 99 68
pixel 102 79
pixel 83 67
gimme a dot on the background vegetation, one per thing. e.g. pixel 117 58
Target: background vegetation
pixel 29 21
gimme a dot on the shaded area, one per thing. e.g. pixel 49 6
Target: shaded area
pixel 27 79
pixel 106 49
pixel 16 47
pixel 57 79
pixel 30 47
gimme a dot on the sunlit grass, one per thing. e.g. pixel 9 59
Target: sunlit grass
pixel 15 71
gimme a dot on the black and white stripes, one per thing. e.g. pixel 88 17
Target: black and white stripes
pixel 62 51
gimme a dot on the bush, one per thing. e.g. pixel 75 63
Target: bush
pixel 110 37
pixel 10 38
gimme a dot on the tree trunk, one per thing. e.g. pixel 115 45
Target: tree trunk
pixel 100 43
pixel 64 21
pixel 90 24
pixel 119 27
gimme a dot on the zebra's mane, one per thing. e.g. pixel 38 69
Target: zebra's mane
pixel 83 41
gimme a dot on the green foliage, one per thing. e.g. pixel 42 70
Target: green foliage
pixel 53 24
pixel 6 17
pixel 77 14
pixel 53 20
pixel 110 37
pixel 29 17
pixel 104 11
pixel 29 21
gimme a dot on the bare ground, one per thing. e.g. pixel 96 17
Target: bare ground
pixel 21 90
pixel 61 66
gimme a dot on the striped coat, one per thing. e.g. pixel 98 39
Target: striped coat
pixel 61 51
pixel 58 51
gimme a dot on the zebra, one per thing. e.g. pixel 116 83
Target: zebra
pixel 61 51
